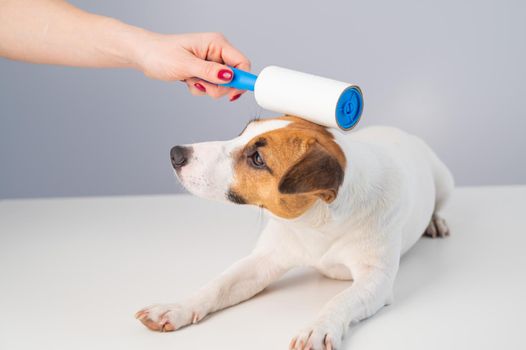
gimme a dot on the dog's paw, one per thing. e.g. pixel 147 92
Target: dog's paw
pixel 322 335
pixel 167 317
pixel 437 227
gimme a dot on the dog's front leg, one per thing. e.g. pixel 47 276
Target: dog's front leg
pixel 241 281
pixel 371 289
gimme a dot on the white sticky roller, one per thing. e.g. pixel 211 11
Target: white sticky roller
pixel 323 101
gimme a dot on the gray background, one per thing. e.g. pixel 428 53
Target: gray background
pixel 451 72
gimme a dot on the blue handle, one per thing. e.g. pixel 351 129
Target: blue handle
pixel 242 80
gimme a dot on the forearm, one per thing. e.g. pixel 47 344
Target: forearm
pixel 55 32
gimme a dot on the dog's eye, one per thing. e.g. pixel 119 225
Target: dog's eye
pixel 256 160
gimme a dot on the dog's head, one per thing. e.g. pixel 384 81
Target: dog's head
pixel 283 164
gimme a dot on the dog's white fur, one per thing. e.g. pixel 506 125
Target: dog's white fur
pixel 393 185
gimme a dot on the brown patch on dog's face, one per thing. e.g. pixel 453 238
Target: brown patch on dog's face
pixel 286 170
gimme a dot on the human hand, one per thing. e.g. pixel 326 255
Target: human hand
pixel 81 39
pixel 198 59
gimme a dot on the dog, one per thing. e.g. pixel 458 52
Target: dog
pixel 348 205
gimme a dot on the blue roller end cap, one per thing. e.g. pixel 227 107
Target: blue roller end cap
pixel 242 80
pixel 349 108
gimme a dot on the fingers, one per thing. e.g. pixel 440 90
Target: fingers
pixel 230 55
pixel 212 66
pixel 210 71
pixel 234 58
pixel 195 86
pixel 200 87
pixel 211 74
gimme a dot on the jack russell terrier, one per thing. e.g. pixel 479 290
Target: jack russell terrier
pixel 347 205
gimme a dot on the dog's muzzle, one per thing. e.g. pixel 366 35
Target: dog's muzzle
pixel 180 156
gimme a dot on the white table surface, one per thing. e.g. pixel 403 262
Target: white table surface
pixel 74 271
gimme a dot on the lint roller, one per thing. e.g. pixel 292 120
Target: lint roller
pixel 320 100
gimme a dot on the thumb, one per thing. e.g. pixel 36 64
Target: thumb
pixel 212 72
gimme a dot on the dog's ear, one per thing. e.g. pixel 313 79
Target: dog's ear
pixel 318 172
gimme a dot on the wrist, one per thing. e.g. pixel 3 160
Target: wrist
pixel 124 43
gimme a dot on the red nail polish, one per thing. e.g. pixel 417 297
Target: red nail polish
pixel 235 97
pixel 224 74
pixel 200 87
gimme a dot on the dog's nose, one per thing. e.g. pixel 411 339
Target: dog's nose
pixel 180 156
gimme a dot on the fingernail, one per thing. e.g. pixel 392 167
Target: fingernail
pixel 235 97
pixel 200 87
pixel 224 74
